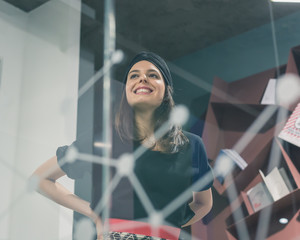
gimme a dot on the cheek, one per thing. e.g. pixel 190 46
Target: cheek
pixel 162 89
pixel 128 94
pixel 126 91
pixel 128 88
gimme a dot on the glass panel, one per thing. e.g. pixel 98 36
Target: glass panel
pixel 197 133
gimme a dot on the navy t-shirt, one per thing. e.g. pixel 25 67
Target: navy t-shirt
pixel 163 176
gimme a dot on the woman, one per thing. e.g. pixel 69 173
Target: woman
pixel 169 165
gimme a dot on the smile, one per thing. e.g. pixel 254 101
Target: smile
pixel 143 91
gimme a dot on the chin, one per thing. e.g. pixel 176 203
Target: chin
pixel 142 106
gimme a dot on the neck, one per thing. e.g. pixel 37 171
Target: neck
pixel 144 123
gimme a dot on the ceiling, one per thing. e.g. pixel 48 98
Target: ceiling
pixel 27 5
pixel 172 28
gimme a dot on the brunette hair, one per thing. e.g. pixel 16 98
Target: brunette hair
pixel 174 140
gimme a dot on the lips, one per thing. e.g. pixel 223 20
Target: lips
pixel 143 90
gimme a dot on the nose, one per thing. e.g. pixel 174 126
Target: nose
pixel 143 78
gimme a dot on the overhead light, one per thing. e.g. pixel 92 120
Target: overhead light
pixel 283 220
pixel 287 1
pixel 102 145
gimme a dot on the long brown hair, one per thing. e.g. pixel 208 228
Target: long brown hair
pixel 173 141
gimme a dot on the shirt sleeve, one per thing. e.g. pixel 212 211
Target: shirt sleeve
pixel 203 176
pixel 76 168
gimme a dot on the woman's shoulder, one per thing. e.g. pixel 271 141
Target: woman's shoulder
pixel 193 138
pixel 195 143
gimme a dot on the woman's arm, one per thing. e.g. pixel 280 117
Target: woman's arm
pixel 201 205
pixel 48 173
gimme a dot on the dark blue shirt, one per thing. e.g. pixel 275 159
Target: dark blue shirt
pixel 163 176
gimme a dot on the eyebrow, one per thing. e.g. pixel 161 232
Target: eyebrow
pixel 150 70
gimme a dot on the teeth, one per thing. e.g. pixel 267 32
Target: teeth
pixel 143 90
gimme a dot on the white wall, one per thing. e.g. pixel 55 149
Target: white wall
pixel 38 108
pixel 12 23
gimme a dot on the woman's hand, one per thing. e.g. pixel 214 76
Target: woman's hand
pixel 99 228
pixel 201 205
pixel 49 187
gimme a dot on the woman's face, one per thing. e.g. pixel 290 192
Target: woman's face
pixel 145 86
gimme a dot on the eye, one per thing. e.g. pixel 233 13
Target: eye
pixel 153 75
pixel 132 76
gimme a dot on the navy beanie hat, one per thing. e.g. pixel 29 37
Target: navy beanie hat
pixel 157 61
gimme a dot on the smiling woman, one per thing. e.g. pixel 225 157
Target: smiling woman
pixel 140 115
pixel 169 166
pixel 145 87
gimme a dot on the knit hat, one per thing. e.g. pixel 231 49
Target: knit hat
pixel 157 61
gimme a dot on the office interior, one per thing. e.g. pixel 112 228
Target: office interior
pixel 222 55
